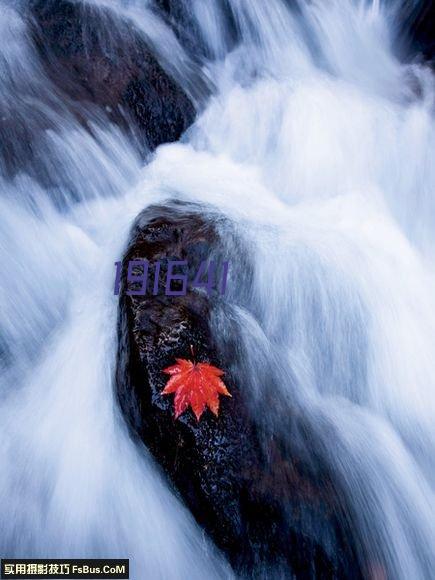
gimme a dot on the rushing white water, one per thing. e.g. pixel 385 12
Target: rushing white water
pixel 318 143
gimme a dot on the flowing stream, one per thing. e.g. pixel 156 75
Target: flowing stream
pixel 318 143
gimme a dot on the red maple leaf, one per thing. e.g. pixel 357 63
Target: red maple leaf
pixel 196 384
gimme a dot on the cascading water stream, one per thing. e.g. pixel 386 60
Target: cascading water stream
pixel 316 142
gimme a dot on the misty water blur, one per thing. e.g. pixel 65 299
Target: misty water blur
pixel 318 143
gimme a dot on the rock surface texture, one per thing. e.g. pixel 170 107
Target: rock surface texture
pixel 97 58
pixel 265 505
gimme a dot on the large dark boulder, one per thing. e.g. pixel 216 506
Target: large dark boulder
pixel 271 508
pixel 96 57
pixel 71 68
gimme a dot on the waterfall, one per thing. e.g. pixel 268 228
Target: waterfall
pixel 315 138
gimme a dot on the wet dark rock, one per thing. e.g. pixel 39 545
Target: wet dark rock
pixel 273 510
pixel 96 58
pixel 179 14
pixel 417 27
